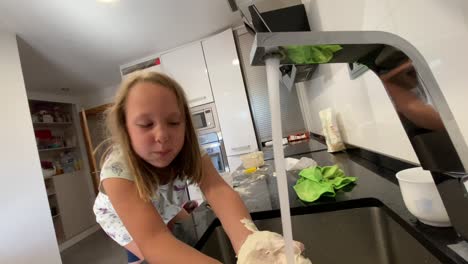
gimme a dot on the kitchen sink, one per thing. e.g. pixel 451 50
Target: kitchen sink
pixel 363 232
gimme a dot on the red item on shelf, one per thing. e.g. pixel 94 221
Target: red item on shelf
pixel 47 164
pixel 43 134
pixel 299 136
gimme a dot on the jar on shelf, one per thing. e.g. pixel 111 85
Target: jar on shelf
pixel 67 160
pixel 77 164
pixel 58 115
pixel 56 142
pixel 47 118
pixel 58 167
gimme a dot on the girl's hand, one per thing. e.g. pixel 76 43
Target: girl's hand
pixel 146 226
pixel 267 247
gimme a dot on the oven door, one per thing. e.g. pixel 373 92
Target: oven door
pixel 214 150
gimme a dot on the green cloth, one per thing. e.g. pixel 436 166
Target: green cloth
pixel 315 182
pixel 311 54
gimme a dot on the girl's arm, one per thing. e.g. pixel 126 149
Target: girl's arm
pixel 397 82
pixel 147 228
pixel 226 204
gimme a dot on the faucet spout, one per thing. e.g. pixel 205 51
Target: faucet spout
pixel 412 88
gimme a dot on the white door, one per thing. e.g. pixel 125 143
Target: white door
pixel 187 66
pixel 229 94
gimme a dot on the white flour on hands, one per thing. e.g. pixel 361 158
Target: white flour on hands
pixel 266 247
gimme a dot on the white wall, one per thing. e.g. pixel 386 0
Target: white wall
pixel 99 97
pixel 26 228
pixel 438 29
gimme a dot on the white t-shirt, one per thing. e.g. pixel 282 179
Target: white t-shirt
pixel 168 199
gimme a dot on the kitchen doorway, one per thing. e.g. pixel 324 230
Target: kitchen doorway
pixel 95 135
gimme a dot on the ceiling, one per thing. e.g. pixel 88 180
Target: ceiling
pixel 79 45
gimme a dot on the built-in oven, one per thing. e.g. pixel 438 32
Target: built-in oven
pixel 205 118
pixel 212 143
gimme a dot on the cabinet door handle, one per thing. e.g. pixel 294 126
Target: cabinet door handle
pixel 241 148
pixel 197 99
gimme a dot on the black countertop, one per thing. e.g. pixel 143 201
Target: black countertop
pixel 259 192
pixel 296 148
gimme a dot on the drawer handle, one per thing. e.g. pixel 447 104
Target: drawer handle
pixel 241 148
pixel 197 99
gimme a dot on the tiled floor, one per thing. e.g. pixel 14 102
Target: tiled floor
pixel 95 249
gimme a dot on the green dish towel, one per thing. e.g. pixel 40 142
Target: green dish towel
pixel 311 54
pixel 319 181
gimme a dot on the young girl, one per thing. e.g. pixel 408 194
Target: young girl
pixel 154 151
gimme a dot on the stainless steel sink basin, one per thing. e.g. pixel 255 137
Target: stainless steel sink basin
pixel 370 234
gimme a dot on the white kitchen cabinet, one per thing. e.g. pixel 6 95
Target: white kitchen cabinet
pixel 187 66
pixel 74 202
pixel 229 94
pixel 234 162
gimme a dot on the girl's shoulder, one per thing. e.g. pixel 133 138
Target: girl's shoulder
pixel 115 166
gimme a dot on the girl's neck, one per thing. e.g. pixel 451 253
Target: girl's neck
pixel 166 174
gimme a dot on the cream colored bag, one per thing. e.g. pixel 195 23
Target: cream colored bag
pixel 330 131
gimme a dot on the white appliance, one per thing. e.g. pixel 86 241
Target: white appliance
pixel 230 96
pixel 205 119
pixel 214 147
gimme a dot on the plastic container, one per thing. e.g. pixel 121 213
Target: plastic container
pixel 67 161
pixel 48 172
pixel 422 198
pixel 254 159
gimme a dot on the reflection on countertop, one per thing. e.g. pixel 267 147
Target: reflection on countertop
pixel 296 148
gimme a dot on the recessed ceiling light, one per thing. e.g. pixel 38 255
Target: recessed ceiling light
pixel 107 1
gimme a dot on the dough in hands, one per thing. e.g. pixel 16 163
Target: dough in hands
pixel 266 247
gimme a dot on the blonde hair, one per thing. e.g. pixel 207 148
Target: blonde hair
pixel 187 163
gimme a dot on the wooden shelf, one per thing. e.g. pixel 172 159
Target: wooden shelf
pixel 67 193
pixel 55 149
pixel 58 175
pixel 52 123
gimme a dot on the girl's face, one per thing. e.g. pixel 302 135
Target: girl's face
pixel 155 123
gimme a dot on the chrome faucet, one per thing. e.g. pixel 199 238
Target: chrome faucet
pixel 415 94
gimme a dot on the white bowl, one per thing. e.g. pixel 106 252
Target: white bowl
pixel 422 198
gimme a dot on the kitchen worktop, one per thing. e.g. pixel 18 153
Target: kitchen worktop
pixel 376 185
pixel 296 148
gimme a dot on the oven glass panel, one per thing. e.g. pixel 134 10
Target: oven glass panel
pixel 199 120
pixel 217 160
